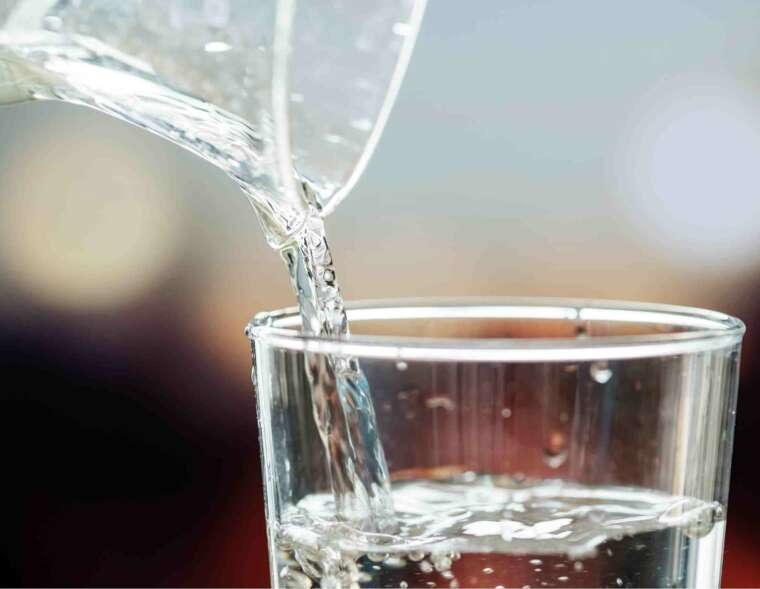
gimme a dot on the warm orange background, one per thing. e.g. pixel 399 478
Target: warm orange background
pixel 538 148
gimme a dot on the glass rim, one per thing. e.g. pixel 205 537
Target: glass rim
pixel 705 330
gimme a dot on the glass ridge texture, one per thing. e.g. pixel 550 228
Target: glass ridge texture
pixel 529 442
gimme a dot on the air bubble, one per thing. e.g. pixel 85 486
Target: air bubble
pixel 600 372
pixel 554 460
pixel 217 47
pixel 619 582
pixel 377 556
pixel 700 525
pixel 441 562
pixel 440 403
pixel 506 413
pixel 536 562
pixel 416 556
pixel 403 584
pixel 52 23
pixel 401 366
pixel 578 566
pixel 563 579
pixel 362 124
pixel 488 571
pixel 426 567
pixel 402 29
pixel 294 578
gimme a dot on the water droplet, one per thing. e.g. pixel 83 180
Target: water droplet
pixel 608 552
pixel 488 570
pixel 555 451
pixel 563 579
pixel 430 584
pixel 416 556
pixel 403 584
pixel 538 569
pixel 601 372
pixel 577 566
pixel 619 582
pixel 506 413
pixel 401 366
pixel 536 561
pixel 426 567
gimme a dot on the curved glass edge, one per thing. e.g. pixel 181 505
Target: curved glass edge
pixel 707 331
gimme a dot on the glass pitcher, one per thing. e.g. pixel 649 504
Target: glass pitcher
pixel 288 100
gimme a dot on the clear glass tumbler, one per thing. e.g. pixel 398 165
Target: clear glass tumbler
pixel 542 443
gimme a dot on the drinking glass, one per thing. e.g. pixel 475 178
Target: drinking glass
pixel 542 443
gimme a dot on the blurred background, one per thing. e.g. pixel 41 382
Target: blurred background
pixel 538 147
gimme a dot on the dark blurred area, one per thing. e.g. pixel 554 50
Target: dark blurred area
pixel 614 157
